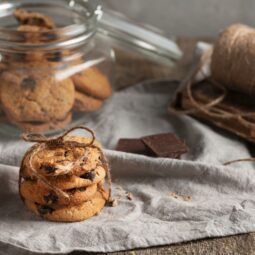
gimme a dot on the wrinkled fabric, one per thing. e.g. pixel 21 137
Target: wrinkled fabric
pixel 222 199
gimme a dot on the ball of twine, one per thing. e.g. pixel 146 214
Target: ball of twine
pixel 233 59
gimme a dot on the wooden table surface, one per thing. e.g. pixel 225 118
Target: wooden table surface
pixel 131 70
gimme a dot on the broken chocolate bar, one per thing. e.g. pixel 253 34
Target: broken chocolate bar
pixel 160 145
pixel 165 145
pixel 132 146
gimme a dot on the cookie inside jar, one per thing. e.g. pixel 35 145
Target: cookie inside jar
pixel 54 71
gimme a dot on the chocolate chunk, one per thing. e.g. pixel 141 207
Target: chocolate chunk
pixel 28 83
pixel 133 146
pixel 89 175
pixel 43 209
pixel 48 168
pixel 55 57
pixel 82 189
pixel 68 153
pixel 51 198
pixel 165 145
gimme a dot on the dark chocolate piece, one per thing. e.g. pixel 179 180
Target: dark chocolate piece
pixel 133 146
pixel 165 145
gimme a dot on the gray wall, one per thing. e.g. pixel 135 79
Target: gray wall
pixel 188 17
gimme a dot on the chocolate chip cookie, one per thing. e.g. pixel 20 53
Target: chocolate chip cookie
pixel 70 213
pixel 40 127
pixel 40 193
pixel 25 17
pixel 66 182
pixel 84 103
pixel 57 162
pixel 93 83
pixel 28 96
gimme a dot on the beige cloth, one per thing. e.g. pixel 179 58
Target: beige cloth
pixel 222 199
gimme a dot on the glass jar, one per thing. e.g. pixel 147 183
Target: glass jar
pixel 53 70
pixel 57 60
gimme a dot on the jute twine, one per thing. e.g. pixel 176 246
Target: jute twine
pixel 59 142
pixel 233 59
pixel 224 71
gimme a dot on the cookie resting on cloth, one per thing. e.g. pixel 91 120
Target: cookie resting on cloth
pixel 70 213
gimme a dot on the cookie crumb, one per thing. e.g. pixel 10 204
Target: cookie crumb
pixel 187 198
pixel 113 202
pixel 179 196
pixel 130 196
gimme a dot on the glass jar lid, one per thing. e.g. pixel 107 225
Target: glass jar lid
pixel 144 39
pixel 78 20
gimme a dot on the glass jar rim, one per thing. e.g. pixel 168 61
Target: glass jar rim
pixel 72 35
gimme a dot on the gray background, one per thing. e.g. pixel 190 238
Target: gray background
pixel 187 17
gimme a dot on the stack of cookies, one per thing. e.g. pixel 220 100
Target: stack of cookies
pixel 33 94
pixel 62 179
pixel 92 88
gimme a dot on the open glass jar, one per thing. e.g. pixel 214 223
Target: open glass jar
pixel 52 68
pixel 57 61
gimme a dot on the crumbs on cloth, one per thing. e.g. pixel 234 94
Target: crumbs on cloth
pixel 180 196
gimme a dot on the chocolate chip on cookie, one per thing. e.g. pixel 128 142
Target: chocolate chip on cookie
pixel 48 168
pixel 89 175
pixel 43 209
pixel 28 83
pixel 51 198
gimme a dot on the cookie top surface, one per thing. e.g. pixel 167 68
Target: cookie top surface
pixel 28 96
pixel 63 160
